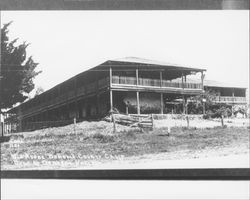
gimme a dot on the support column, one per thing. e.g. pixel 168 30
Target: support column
pixel 75 102
pixel 110 90
pixel 202 87
pixel 111 99
pixel 186 106
pixel 137 76
pixel 233 102
pixel 202 80
pixel 183 104
pixel 110 77
pixel 138 102
pixel 182 84
pixel 137 93
pixel 160 78
pixel 162 104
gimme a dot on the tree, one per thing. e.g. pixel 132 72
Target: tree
pixel 17 71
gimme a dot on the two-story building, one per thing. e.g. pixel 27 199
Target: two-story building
pixel 129 85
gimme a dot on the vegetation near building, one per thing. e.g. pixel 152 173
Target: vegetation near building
pixel 17 71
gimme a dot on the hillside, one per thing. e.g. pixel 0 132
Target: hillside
pixel 93 144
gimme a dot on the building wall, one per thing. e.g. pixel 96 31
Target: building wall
pixel 149 102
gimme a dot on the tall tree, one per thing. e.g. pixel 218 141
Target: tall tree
pixel 17 71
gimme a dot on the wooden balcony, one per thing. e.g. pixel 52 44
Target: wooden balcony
pixel 154 83
pixel 230 99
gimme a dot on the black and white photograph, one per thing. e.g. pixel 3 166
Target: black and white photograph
pixel 89 89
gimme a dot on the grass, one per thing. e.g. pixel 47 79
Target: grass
pixel 99 146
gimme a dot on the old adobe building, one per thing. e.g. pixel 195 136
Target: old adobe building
pixel 129 85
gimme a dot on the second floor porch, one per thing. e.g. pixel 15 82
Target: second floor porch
pixel 155 84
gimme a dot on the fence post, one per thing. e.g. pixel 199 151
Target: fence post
pixel 169 130
pixel 114 126
pixel 187 121
pixel 222 120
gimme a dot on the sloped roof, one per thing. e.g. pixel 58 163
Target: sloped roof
pixel 132 60
pixel 212 83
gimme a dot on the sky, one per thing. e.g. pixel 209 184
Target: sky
pixel 65 43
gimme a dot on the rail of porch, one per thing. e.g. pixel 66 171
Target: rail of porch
pixel 230 99
pixel 119 80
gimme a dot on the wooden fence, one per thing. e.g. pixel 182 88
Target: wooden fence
pixel 141 121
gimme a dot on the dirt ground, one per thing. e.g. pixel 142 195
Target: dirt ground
pixel 90 145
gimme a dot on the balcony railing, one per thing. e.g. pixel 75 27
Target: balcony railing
pixel 230 99
pixel 154 82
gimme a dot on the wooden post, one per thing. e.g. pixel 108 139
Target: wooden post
pixel 138 102
pixel 162 104
pixel 233 101
pixel 137 76
pixel 186 106
pixel 113 120
pixel 222 120
pixel 187 121
pixel 202 80
pixel 182 80
pixel 152 118
pixel 169 130
pixel 110 77
pixel 75 102
pixel 183 104
pixel 110 90
pixel 126 109
pixel 160 78
pixel 111 99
